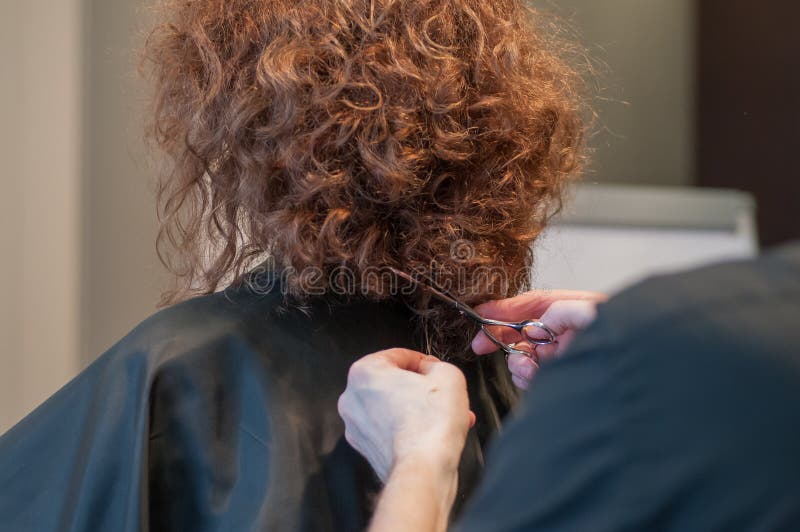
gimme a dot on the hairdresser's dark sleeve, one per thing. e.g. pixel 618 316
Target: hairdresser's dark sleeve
pixel 556 466
pixel 677 410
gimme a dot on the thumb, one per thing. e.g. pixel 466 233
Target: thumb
pixel 567 315
pixel 402 358
pixel 427 363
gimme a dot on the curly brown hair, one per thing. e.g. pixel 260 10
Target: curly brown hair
pixel 360 133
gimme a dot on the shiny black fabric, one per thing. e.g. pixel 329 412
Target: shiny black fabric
pixel 678 410
pixel 219 414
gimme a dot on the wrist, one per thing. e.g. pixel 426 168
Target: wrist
pixel 440 454
pixel 441 463
pixel 440 443
pixel 433 480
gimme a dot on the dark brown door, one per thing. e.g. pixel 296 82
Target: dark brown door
pixel 749 107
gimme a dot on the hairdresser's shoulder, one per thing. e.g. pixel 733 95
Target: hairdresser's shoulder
pixel 733 287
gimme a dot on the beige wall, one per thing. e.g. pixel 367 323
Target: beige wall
pixel 122 276
pixel 647 101
pixel 78 218
pixel 40 176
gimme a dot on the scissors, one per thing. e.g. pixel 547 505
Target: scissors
pixel 525 328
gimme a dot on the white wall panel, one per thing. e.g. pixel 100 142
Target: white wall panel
pixel 40 136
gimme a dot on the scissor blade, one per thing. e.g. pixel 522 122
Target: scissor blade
pixel 428 285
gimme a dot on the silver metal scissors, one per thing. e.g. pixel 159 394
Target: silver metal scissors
pixel 525 328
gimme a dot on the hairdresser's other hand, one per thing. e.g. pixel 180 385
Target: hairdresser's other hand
pixel 402 406
pixel 564 311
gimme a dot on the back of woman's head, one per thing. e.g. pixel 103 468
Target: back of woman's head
pixel 349 135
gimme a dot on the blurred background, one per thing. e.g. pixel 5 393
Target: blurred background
pixel 698 127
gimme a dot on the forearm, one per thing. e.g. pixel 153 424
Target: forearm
pixel 417 497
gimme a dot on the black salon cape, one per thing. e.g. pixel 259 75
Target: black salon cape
pixel 218 414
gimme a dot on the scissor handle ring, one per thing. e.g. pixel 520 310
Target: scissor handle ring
pixel 552 336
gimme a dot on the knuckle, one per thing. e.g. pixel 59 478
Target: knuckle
pixel 341 404
pixel 452 373
pixel 358 371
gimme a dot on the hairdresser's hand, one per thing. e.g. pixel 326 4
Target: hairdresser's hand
pixel 564 311
pixel 402 406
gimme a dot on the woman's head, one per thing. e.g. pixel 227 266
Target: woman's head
pixel 358 134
